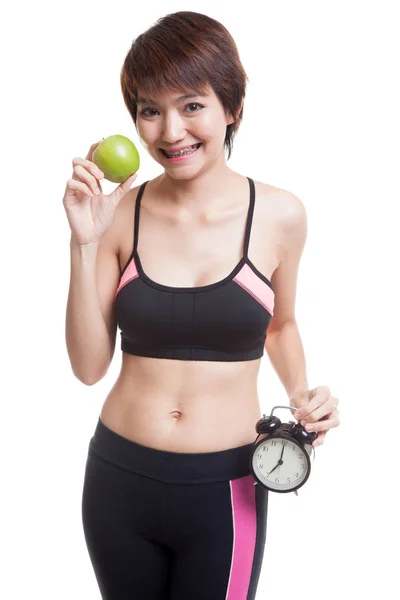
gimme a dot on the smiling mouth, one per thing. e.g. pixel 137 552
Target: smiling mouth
pixel 188 150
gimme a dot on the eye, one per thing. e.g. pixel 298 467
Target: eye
pixel 194 104
pixel 145 113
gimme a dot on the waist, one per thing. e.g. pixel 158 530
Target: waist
pixel 183 412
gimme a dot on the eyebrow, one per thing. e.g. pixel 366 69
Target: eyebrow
pixel 149 101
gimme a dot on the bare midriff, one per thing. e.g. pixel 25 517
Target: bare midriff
pixel 184 406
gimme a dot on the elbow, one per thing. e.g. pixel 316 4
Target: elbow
pixel 276 327
pixel 89 379
pixel 89 369
pixel 89 382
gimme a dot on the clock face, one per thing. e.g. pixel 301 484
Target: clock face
pixel 281 464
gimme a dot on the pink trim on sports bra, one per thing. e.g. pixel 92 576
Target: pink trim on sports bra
pixel 257 288
pixel 130 273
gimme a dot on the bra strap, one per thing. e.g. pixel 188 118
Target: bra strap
pixel 249 217
pixel 137 210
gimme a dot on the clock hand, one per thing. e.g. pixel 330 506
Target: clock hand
pixel 273 469
pixel 280 462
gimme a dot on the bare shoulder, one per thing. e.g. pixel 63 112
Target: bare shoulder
pixel 289 225
pixel 288 213
pixel 122 225
pixel 286 205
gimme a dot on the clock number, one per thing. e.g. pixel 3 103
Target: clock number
pixel 273 443
pixel 276 479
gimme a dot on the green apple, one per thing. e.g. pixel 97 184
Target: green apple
pixel 117 157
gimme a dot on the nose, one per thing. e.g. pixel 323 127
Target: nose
pixel 173 128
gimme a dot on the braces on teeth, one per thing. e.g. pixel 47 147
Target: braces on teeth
pixel 189 150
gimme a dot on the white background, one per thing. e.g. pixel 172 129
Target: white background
pixel 321 119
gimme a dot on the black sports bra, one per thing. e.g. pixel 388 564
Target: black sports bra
pixel 223 321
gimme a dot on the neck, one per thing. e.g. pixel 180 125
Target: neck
pixel 205 186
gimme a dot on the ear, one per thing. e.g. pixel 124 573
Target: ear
pixel 231 119
pixel 241 106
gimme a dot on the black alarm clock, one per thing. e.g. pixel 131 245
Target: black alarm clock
pixel 281 461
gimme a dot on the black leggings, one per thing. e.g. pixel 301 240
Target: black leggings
pixel 172 526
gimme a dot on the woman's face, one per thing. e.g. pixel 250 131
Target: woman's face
pixel 169 122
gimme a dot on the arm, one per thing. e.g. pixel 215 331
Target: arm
pixel 283 343
pixel 91 324
pixel 90 328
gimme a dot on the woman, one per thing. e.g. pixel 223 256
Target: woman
pixel 194 266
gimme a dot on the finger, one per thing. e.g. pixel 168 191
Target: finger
pixel 89 166
pixel 123 188
pixel 83 175
pixel 317 397
pixel 92 149
pixel 320 394
pixel 323 425
pixel 315 407
pixel 322 411
pixel 320 439
pixel 73 184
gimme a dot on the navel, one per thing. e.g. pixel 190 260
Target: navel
pixel 176 414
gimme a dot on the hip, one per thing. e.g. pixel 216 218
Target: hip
pixel 168 466
pixel 200 505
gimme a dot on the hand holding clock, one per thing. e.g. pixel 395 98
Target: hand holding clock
pixel 317 411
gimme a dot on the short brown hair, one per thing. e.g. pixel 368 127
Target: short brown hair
pixel 186 51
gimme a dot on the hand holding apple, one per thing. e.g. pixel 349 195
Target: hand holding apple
pixel 89 211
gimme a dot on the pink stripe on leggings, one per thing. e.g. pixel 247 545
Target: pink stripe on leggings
pixel 244 518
